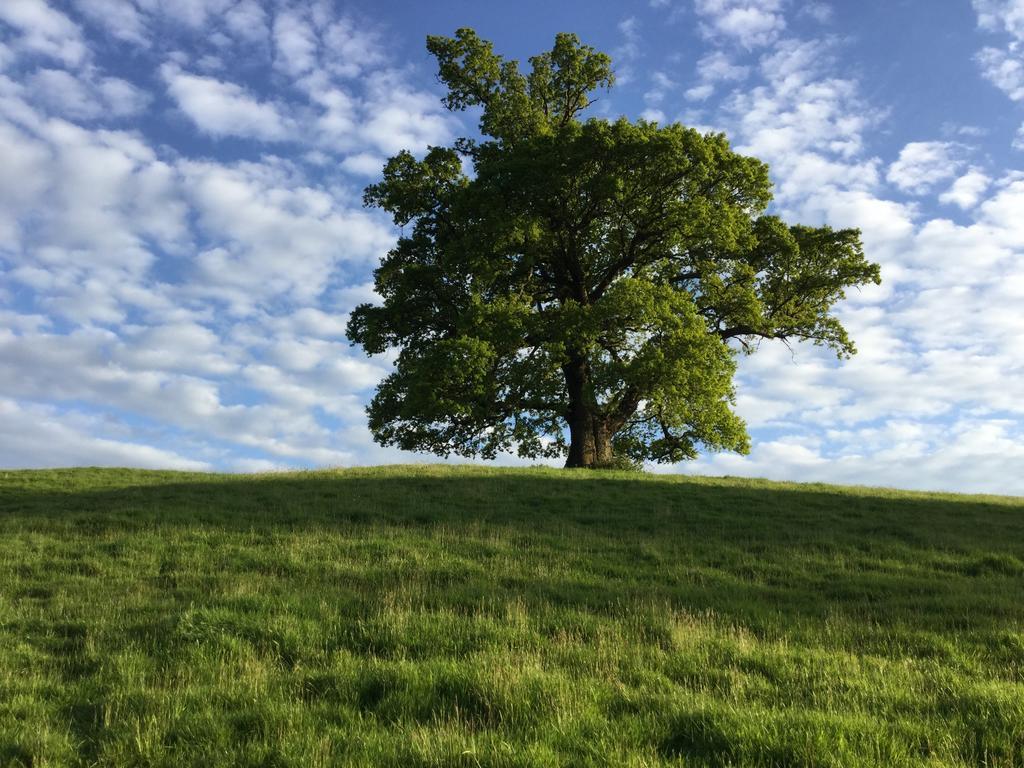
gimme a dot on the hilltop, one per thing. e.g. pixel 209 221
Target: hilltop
pixel 437 615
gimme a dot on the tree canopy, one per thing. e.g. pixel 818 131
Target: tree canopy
pixel 584 290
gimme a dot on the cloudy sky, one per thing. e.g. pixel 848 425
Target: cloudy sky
pixel 181 234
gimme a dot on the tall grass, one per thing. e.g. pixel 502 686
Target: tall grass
pixel 438 616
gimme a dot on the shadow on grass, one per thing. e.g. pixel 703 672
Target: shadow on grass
pixel 645 504
pixel 736 548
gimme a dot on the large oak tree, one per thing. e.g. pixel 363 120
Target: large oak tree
pixel 585 289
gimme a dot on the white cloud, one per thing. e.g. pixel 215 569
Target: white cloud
pixel 1018 140
pixel 98 201
pixel 1001 15
pixel 22 183
pixel 699 92
pixel 363 164
pixel 970 455
pixel 322 54
pixel 109 369
pixel 661 84
pixel 628 51
pixel 295 43
pixel 85 97
pixel 950 341
pixel 308 40
pixel 121 97
pixel 717 66
pixel 1004 69
pixel 205 298
pixel 309 321
pixel 751 23
pixel 939 340
pixel 116 17
pixel 226 22
pixel 42 436
pixel 971 131
pixel 820 12
pixel 274 235
pixel 337 124
pixel 967 190
pixel 795 64
pixel 630 29
pixel 7 57
pixel 923 164
pixel 350 50
pixel 248 21
pixel 809 126
pixel 184 346
pixel 195 14
pixel 396 116
pixel 714 68
pixel 802 118
pixel 222 108
pixel 44 30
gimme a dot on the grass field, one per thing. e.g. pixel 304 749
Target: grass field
pixel 435 616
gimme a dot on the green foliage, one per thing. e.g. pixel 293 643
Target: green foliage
pixel 588 275
pixel 517 106
pixel 459 616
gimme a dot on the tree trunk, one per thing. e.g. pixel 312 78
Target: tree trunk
pixel 602 444
pixel 590 440
pixel 582 451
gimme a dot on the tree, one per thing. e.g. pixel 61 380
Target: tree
pixel 589 276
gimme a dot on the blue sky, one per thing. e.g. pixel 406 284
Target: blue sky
pixel 181 233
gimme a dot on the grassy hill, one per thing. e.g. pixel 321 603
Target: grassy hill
pixel 436 616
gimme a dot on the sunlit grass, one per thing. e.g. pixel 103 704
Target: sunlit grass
pixel 435 616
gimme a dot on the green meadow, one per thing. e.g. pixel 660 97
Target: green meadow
pixel 454 616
